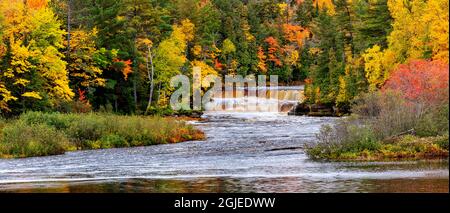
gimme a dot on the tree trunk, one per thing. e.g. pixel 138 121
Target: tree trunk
pixel 69 17
pixel 135 94
pixel 151 73
pixel 159 90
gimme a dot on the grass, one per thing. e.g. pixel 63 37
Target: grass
pixel 40 134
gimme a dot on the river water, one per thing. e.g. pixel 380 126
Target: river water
pixel 243 152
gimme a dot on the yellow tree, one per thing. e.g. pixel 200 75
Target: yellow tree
pixel 328 4
pixel 170 56
pixel 205 68
pixel 147 46
pixel 228 49
pixel 437 18
pixel 5 94
pixel 408 37
pixel 83 67
pixel 420 31
pixel 377 66
pixel 32 66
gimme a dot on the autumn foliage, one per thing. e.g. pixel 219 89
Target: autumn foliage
pixel 421 81
pixel 295 33
pixel 125 67
pixel 37 4
pixel 262 60
pixel 123 53
pixel 273 50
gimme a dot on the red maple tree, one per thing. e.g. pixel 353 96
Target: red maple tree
pixel 421 81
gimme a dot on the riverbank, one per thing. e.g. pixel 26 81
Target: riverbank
pixel 386 126
pixel 41 134
pixel 402 148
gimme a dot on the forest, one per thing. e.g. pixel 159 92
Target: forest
pixel 119 55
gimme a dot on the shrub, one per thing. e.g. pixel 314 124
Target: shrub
pixel 386 112
pixel 360 138
pixel 340 140
pixel 165 111
pixel 2 123
pixel 56 120
pixel 75 106
pixel 442 141
pixel 22 140
pixel 433 122
pixel 85 128
pixel 113 141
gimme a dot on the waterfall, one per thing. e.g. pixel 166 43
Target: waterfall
pixel 257 99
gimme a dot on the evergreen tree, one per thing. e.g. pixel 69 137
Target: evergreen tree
pixel 306 13
pixel 373 24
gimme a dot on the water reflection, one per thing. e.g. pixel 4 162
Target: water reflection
pixel 224 185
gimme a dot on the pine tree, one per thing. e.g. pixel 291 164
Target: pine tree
pixel 306 13
pixel 372 24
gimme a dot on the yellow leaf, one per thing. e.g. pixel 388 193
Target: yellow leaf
pixel 32 95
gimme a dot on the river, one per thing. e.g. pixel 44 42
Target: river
pixel 243 152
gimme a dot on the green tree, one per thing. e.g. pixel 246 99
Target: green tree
pixel 306 13
pixel 372 24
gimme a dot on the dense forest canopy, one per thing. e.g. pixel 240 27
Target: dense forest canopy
pixel 119 55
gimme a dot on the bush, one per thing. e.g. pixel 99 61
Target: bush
pixel 56 120
pixel 434 122
pixel 2 123
pixel 386 113
pixel 19 139
pixel 343 138
pixel 360 138
pixel 442 142
pixel 166 111
pixel 75 106
pixel 89 127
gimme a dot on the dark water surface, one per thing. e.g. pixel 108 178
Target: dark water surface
pixel 244 152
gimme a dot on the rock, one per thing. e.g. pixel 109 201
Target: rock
pixel 299 110
pixel 316 110
pixel 196 114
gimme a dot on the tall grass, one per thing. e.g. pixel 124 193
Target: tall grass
pixel 91 131
pixel 21 140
